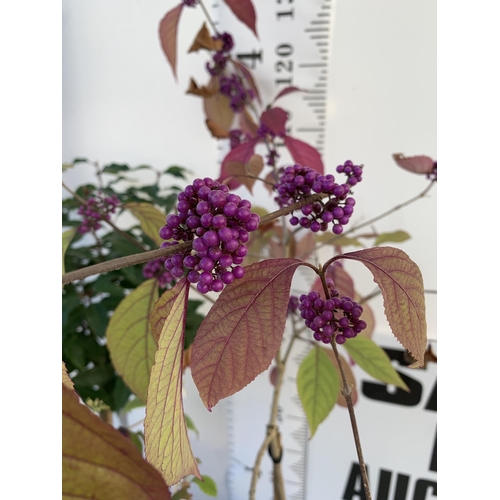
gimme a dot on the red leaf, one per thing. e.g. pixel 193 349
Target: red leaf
pixel 244 11
pixel 415 164
pixel 241 153
pixel 402 287
pixel 239 337
pixel 274 119
pixel 286 91
pixel 168 35
pixel 304 154
pixel 249 78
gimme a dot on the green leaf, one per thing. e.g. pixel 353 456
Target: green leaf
pixel 208 485
pixel 132 404
pixel 165 433
pixel 337 240
pixel 318 385
pixel 176 171
pixel 114 168
pixel 130 342
pixel 98 375
pixel 374 361
pixel 67 236
pixel 151 219
pixel 67 166
pixel 240 335
pixel 99 462
pixel 394 237
pixel 400 281
pixel 190 425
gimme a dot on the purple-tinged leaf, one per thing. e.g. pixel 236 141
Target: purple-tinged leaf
pixel 241 171
pixel 216 106
pixel 247 124
pixel 165 432
pixel 400 281
pixel 416 164
pixel 239 337
pixel 274 119
pixel 304 154
pixel 244 11
pixel 286 91
pixel 249 78
pixel 241 153
pixel 341 279
pixel 168 35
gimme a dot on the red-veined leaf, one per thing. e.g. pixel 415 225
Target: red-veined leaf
pixel 166 439
pixel 400 281
pixel 129 339
pixel 416 164
pixel 168 35
pixel 99 462
pixel 286 91
pixel 343 283
pixel 244 11
pixel 305 246
pixel 150 217
pixel 239 337
pixel 274 119
pixel 304 154
pixel 318 385
pixel 241 153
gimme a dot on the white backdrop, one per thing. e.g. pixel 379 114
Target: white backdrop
pixel 121 104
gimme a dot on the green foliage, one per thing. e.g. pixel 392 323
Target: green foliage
pixel 207 485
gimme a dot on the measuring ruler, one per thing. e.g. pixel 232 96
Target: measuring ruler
pixel 292 50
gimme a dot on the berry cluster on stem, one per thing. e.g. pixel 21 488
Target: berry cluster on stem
pixel 297 182
pixel 218 222
pixel 156 269
pixel 96 209
pixel 336 317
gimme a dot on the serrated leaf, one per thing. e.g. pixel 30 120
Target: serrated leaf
pixel 162 308
pixel 67 236
pixel 151 219
pixel 129 339
pixel 275 119
pixel 416 164
pixel 99 462
pixel 394 237
pixel 304 154
pixel 240 335
pixel 208 485
pixel 66 380
pixel 374 361
pixel 318 385
pixel 400 281
pixel 203 40
pixel 168 35
pixel 165 433
pixel 244 11
pixel 348 375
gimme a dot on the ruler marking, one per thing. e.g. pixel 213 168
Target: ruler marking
pixel 314 30
pixel 314 97
pixel 320 22
pixel 318 37
pixel 312 65
pixel 323 14
pixel 303 129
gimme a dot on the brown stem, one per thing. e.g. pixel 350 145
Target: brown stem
pixel 207 15
pixel 132 260
pixel 347 393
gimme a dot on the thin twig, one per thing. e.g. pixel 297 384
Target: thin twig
pixel 207 15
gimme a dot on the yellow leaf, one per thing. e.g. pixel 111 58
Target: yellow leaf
pixel 67 236
pixel 151 219
pixel 65 377
pixel 166 439
pixel 129 338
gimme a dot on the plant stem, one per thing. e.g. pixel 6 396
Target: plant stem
pixel 140 258
pixel 347 393
pixel 207 15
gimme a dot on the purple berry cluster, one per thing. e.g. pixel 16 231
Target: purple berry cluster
pixel 336 317
pixel 156 269
pixel 297 182
pixel 190 3
pixel 97 208
pixel 238 95
pixel 293 304
pixel 220 58
pixel 218 222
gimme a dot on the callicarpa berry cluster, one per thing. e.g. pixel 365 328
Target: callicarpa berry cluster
pixel 96 209
pixel 218 223
pixel 336 317
pixel 296 182
pixel 156 269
